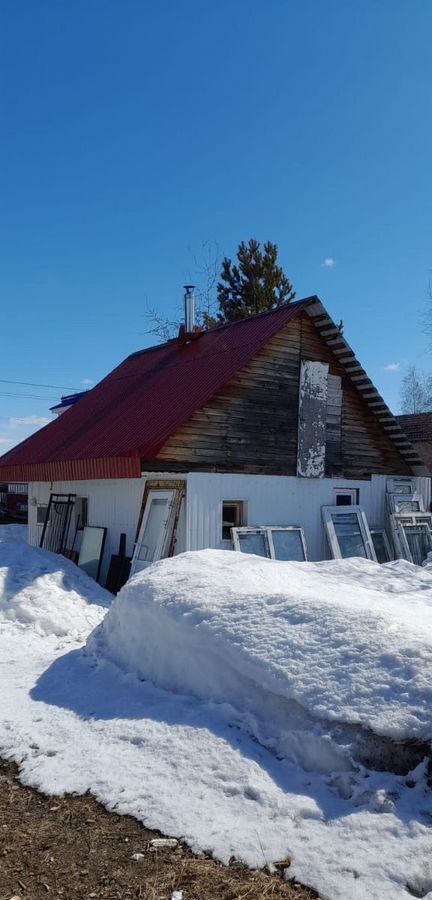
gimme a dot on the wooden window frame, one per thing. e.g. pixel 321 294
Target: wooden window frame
pixel 267 531
pixel 178 486
pixel 241 506
pixel 330 512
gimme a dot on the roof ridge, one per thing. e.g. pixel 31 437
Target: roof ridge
pixel 224 325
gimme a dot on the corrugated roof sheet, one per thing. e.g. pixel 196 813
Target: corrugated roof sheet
pixel 140 404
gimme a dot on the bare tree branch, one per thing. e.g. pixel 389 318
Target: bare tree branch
pixel 205 275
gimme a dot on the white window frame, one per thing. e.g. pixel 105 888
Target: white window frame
pixel 267 531
pixel 328 515
pixel 347 492
pixel 386 542
pixel 173 491
pixel 394 499
pixel 407 520
pixel 403 484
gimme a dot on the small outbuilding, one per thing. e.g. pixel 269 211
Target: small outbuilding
pixel 257 423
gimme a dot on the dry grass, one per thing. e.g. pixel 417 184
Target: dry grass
pixel 70 848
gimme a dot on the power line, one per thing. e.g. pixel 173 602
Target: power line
pixel 61 387
pixel 26 396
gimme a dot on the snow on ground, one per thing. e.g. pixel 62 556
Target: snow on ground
pixel 12 533
pixel 75 720
pixel 48 592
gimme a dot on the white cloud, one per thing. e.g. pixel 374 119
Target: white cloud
pixel 5 440
pixel 16 422
pixel 328 263
pixel 87 381
pixel 392 367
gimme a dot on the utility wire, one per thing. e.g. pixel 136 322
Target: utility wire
pixel 61 387
pixel 26 396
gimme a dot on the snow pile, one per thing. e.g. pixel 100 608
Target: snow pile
pixel 187 766
pixel 295 648
pixel 48 592
pixel 13 533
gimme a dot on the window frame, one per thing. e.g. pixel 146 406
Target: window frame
pixel 395 498
pixel 45 521
pixel 267 531
pixel 81 507
pixel 408 520
pixel 399 482
pixel 241 506
pixel 329 512
pixel 168 541
pixel 386 542
pixel 346 492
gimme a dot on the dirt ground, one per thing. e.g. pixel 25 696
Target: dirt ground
pixel 71 848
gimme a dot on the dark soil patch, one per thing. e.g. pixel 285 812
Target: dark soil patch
pixel 72 848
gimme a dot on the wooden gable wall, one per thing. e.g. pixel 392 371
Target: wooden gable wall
pixel 251 424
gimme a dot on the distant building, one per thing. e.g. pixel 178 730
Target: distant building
pixel 66 402
pixel 13 502
pixel 418 429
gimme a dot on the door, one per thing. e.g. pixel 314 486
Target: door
pixel 156 529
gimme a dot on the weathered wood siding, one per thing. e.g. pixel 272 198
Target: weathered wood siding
pixel 251 425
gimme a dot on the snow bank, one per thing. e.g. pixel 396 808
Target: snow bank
pixel 289 645
pixel 75 722
pixel 48 592
pixel 13 533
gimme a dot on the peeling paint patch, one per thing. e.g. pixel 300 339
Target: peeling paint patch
pixel 312 419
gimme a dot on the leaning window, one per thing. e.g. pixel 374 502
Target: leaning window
pixel 348 532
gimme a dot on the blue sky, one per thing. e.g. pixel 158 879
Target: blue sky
pixel 133 132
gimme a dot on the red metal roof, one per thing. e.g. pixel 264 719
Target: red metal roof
pixel 140 404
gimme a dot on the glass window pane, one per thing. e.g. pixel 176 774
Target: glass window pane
pixel 380 547
pixel 407 506
pixel 155 521
pixel 344 500
pixel 349 535
pixel 401 487
pixel 232 517
pixel 288 545
pixel 253 542
pixel 419 541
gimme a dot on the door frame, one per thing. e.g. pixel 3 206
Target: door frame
pixel 179 488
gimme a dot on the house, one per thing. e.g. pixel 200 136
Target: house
pixel 66 402
pixel 418 429
pixel 13 503
pixel 260 422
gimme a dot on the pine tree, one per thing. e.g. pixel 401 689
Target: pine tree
pixel 253 285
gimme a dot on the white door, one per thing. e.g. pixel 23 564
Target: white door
pixel 155 531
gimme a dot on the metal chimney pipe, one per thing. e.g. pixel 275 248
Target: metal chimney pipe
pixel 189 301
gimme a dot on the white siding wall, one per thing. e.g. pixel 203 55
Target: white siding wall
pixel 113 503
pixel 271 500
pixel 278 500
